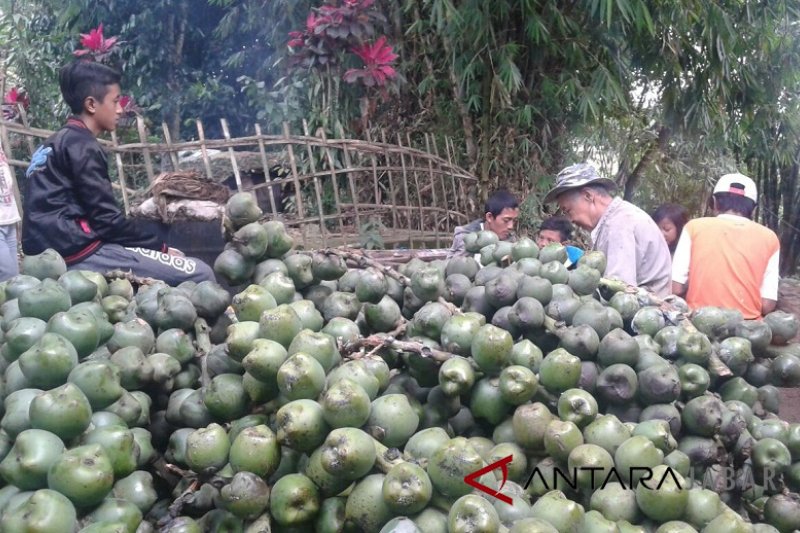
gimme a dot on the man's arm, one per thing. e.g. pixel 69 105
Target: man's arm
pixel 678 289
pixel 94 192
pixel 769 287
pixel 680 264
pixel 458 243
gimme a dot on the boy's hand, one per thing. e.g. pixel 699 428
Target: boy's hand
pixel 175 252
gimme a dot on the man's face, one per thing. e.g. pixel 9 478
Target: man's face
pixel 502 224
pixel 108 111
pixel 548 236
pixel 580 207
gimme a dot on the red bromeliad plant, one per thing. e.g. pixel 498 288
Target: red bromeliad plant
pixel 334 32
pixel 338 34
pixel 96 46
pixel 378 70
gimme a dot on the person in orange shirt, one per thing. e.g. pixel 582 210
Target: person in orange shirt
pixel 728 260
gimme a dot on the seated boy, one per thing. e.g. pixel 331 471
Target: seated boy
pixel 559 229
pixel 69 205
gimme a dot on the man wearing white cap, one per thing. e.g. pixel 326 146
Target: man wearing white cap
pixel 728 260
pixel 635 250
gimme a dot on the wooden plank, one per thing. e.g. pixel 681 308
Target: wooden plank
pixel 234 164
pixel 201 135
pixel 173 155
pixel 123 186
pixel 265 165
pixel 317 192
pixel 148 161
pixel 392 191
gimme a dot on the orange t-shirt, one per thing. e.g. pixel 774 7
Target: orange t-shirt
pixel 729 256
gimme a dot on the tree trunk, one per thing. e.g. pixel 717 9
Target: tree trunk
pixel 176 30
pixel 655 148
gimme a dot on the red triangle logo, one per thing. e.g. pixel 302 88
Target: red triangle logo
pixel 472 479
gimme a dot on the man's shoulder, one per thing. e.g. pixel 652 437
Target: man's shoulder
pixel 473 226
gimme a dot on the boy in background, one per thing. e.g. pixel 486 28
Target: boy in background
pixel 559 230
pixel 69 204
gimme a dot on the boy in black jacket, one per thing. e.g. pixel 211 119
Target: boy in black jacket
pixel 69 205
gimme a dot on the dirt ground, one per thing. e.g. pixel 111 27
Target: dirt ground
pixel 789 301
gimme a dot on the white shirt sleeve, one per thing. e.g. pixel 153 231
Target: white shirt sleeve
pixel 769 287
pixel 681 259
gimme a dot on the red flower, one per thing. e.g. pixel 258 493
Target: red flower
pixel 125 101
pixel 94 43
pixel 377 58
pixel 17 96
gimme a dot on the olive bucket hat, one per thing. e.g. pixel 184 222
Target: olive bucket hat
pixel 574 177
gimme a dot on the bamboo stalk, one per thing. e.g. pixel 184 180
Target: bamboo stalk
pixel 121 175
pixel 267 173
pixel 417 187
pixel 433 189
pixel 392 192
pixel 148 161
pixel 318 194
pixel 201 134
pixel 301 212
pixel 234 163
pixel 350 181
pixel 173 155
pixel 375 187
pixel 405 191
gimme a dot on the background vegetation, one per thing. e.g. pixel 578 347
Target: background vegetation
pixel 665 95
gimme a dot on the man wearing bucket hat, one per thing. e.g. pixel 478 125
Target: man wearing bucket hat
pixel 635 250
pixel 728 260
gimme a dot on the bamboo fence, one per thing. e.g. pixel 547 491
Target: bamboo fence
pixel 331 191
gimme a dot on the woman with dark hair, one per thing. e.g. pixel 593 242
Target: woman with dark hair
pixel 670 219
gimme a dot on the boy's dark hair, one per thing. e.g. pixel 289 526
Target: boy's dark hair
pixel 676 213
pixel 727 202
pixel 559 224
pixel 500 200
pixel 81 79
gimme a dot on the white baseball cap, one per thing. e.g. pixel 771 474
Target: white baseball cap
pixel 737 184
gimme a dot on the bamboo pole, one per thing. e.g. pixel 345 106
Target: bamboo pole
pixel 416 185
pixel 148 161
pixel 301 212
pixel 201 135
pixel 121 175
pixel 234 164
pixel 405 191
pixel 433 189
pixel 350 181
pixel 173 155
pixel 377 191
pixel 267 172
pixel 317 193
pixel 392 192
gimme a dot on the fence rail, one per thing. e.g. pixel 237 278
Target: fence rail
pixel 330 190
